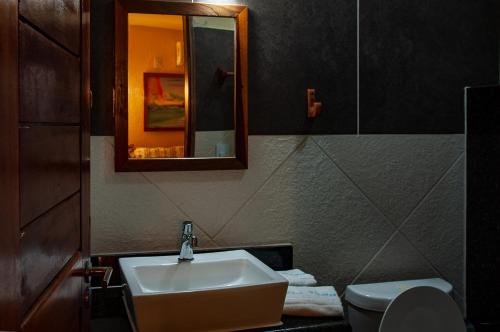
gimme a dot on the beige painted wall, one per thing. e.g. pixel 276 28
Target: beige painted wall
pixel 146 43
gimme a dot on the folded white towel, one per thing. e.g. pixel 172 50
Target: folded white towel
pixel 297 277
pixel 312 302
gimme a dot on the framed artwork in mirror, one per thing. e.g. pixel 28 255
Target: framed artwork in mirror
pixel 164 102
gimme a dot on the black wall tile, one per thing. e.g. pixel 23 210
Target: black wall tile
pixel 102 67
pixel 416 56
pixel 483 198
pixel 294 45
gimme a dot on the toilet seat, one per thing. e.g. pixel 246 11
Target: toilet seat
pixel 422 309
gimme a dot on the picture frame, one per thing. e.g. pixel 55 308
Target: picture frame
pixel 164 102
pixel 168 7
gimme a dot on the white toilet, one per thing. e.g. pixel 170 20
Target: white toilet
pixel 404 306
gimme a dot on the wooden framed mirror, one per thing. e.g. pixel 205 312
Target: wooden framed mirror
pixel 180 95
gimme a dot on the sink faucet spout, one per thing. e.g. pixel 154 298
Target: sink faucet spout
pixel 188 241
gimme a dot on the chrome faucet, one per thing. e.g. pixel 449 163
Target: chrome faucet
pixel 188 241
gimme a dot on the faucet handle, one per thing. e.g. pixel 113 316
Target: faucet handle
pixel 194 241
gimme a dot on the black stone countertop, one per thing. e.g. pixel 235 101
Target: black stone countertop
pixel 295 324
pixel 308 324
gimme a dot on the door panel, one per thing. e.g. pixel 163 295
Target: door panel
pixel 44 164
pixel 50 168
pixel 60 19
pixel 50 80
pixel 47 245
pixel 9 167
pixel 59 309
pixel 85 148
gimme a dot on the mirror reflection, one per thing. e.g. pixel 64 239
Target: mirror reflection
pixel 181 86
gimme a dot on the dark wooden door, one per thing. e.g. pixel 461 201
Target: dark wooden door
pixel 44 164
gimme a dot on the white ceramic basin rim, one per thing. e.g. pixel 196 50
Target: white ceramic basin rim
pixel 210 271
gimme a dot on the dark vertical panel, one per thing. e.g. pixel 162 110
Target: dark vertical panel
pixel 213 50
pixel 85 130
pixel 300 44
pixel 483 200
pixel 50 168
pixel 102 66
pixel 49 164
pixel 190 132
pixel 241 99
pixel 60 305
pixel 50 80
pixel 9 168
pixel 47 245
pixel 85 152
pixel 416 56
pixel 121 84
pixel 60 19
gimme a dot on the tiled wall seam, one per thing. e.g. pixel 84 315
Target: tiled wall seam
pixel 358 94
pixel 263 184
pixel 398 229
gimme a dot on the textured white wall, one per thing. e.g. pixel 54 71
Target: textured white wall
pixel 356 208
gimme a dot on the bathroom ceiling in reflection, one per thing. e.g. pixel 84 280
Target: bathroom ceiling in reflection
pixel 181 87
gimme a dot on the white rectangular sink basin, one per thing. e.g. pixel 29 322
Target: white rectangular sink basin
pixel 220 291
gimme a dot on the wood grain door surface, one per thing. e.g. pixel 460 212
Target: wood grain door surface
pixel 44 164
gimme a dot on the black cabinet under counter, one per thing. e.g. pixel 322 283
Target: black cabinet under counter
pixel 109 314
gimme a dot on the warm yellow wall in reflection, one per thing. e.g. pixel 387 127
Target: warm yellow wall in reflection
pixel 146 43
